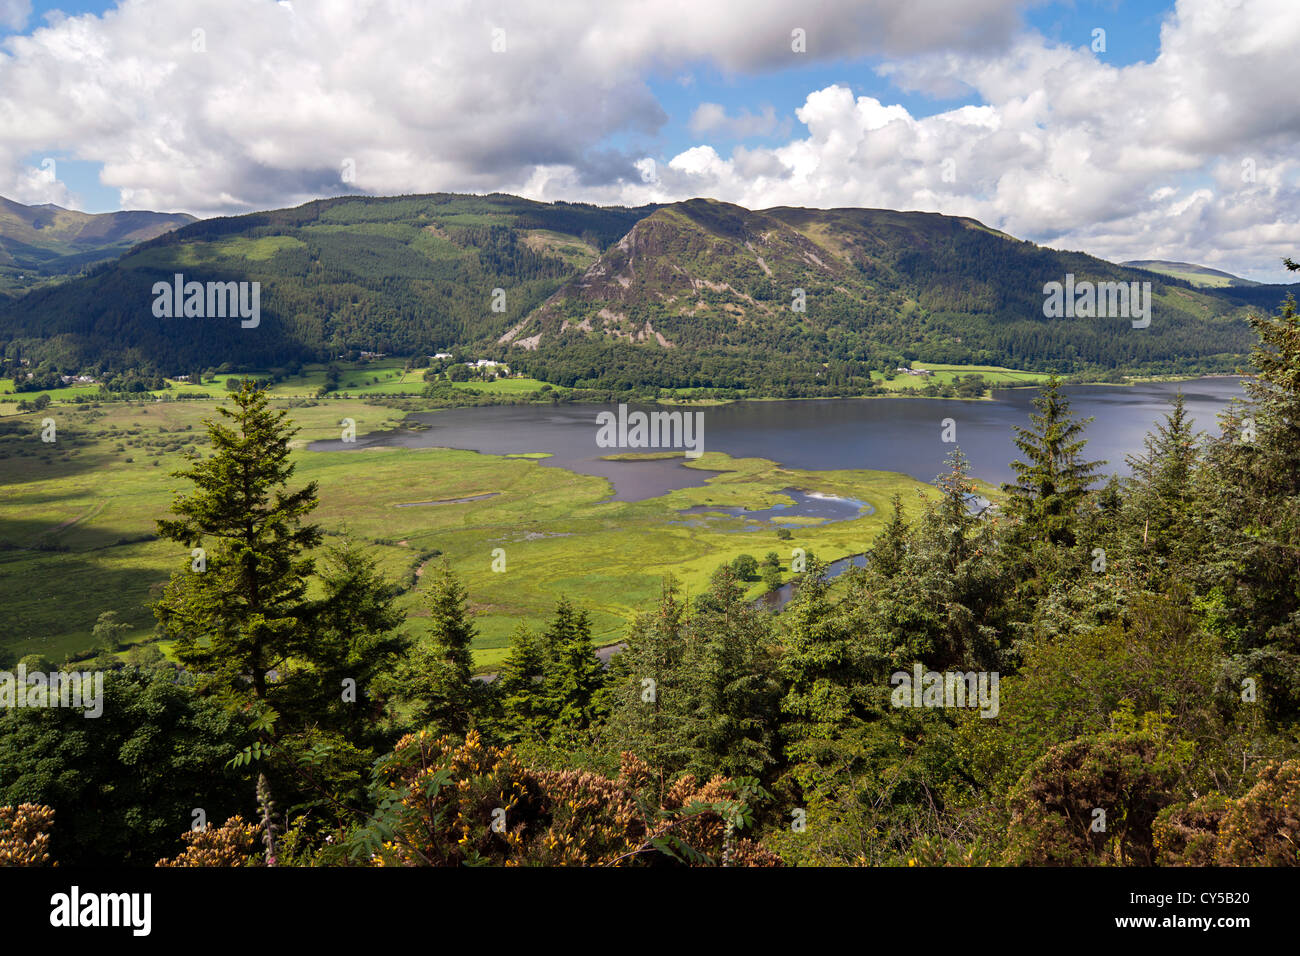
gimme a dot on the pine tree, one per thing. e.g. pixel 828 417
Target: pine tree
pixel 244 614
pixel 571 672
pixel 1050 486
pixel 442 668
pixel 517 689
pixel 1160 490
pixel 653 693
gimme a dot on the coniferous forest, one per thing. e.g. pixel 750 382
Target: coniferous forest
pixel 1146 633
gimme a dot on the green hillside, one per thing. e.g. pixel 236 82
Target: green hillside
pixel 38 243
pixel 400 276
pixel 699 294
pixel 703 293
pixel 1202 277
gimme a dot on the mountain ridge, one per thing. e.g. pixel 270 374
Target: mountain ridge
pixel 43 241
pixel 698 293
pixel 1200 276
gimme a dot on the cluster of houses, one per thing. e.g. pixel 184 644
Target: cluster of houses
pixel 914 371
pixel 502 367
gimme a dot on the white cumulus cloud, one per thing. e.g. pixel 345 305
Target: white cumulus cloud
pixel 1191 156
pixel 216 106
pixel 15 13
pixel 213 106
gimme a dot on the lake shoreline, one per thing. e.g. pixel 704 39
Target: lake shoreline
pixel 910 437
pixel 909 393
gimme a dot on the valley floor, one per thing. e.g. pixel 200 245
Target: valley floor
pixel 77 521
pixel 390 379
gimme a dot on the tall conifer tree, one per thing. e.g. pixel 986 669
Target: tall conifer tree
pixel 442 667
pixel 1051 483
pixel 241 612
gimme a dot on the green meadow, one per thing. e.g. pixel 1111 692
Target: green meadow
pixel 383 376
pixel 389 376
pixel 72 393
pixel 994 375
pixel 77 521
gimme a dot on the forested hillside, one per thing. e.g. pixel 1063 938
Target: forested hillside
pixel 807 301
pixel 700 293
pixel 401 276
pixel 40 242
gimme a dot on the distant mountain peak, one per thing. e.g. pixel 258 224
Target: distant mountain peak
pixel 1200 276
pixel 43 241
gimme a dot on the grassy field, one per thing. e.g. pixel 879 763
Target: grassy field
pixel 77 518
pixel 388 376
pixel 994 375
pixel 504 386
pixel 72 393
pixel 385 376
pixel 1200 280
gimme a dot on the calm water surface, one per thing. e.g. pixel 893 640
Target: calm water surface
pixel 889 434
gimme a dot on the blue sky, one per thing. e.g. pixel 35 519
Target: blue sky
pixel 996 109
pixel 1131 35
pixel 81 176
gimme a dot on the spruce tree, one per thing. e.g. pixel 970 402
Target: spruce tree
pixel 571 672
pixel 739 689
pixel 652 692
pixel 890 546
pixel 1252 490
pixel 1159 494
pixel 441 669
pixel 244 613
pixel 345 678
pixel 1052 483
pixel 1275 403
pixel 517 689
pixel 821 662
pixel 945 605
